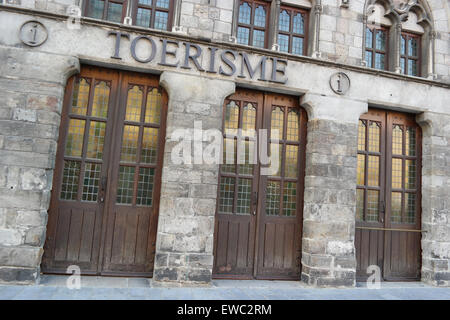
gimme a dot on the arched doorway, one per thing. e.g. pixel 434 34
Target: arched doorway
pixel 258 226
pixel 106 187
pixel 388 210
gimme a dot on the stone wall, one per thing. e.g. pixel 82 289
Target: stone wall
pixel 207 19
pixel 31 91
pixel 184 248
pixel 328 257
pixel 30 108
pixel 435 198
pixel 340 29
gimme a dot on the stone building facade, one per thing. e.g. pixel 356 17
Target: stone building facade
pixel 201 62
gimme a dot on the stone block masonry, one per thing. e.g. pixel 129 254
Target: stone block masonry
pixel 30 109
pixel 328 253
pixel 184 248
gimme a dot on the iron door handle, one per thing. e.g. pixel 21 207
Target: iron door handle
pixel 254 202
pixel 382 211
pixel 103 185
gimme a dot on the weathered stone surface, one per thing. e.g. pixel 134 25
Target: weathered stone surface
pixel 187 207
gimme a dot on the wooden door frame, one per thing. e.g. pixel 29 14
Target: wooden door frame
pixel 117 98
pixel 263 121
pixel 386 184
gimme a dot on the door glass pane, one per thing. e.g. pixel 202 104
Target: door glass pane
pixel 277 122
pixel 80 97
pixel 284 21
pixel 280 154
pixel 273 198
pixel 149 150
pixel 290 199
pixel 161 20
pixel 96 140
pixel 292 126
pixel 359 204
pixel 229 156
pixel 258 38
pixel 397 139
pixel 145 187
pixel 114 12
pixel 361 169
pixel 91 181
pixel 247 157
pixel 134 103
pixel 125 185
pixel 153 107
pixel 397 173
pixel 410 208
pixel 244 13
pixel 129 144
pixel 410 141
pixel 231 118
pixel 298 26
pixel 260 16
pixel 101 100
pixel 291 165
pixel 372 205
pixel 226 195
pixel 71 174
pixel 410 174
pixel 362 135
pixel 374 137
pixel 249 119
pixel 75 134
pixel 244 196
pixel 243 35
pixel 396 207
pixel 143 17
pixel 373 171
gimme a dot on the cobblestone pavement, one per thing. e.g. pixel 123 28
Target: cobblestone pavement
pixel 105 288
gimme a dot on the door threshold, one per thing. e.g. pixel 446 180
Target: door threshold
pixel 93 281
pixel 395 284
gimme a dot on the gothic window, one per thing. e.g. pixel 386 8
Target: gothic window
pixel 253 22
pixel 155 14
pixel 376 48
pixel 292 26
pixel 410 54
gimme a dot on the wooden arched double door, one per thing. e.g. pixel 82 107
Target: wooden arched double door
pixel 388 196
pixel 259 217
pixel 106 187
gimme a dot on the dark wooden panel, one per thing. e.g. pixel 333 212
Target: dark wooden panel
pixel 95 234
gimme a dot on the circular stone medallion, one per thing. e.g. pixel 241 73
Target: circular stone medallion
pixel 340 83
pixel 33 33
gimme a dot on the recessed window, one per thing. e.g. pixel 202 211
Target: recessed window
pixel 292 25
pixel 410 54
pixel 155 14
pixel 253 21
pixel 376 48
